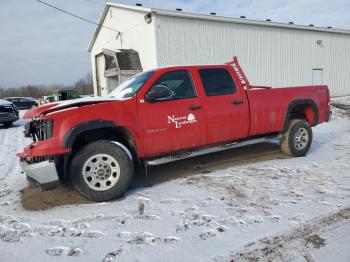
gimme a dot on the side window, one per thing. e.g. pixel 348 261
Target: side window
pixel 179 82
pixel 22 100
pixel 217 81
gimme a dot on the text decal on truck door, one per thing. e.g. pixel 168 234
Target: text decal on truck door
pixel 179 121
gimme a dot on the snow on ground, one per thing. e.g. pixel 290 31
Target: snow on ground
pixel 343 100
pixel 242 205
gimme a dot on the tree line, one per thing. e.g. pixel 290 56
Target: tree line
pixel 83 86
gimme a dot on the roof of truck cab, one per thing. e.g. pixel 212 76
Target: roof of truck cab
pixel 188 66
pixel 198 16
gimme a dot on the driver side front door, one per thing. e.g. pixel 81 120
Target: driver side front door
pixel 176 123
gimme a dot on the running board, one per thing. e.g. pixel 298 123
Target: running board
pixel 208 150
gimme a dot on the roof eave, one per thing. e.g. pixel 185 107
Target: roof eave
pixel 103 15
pixel 97 28
pixel 246 21
pixel 207 17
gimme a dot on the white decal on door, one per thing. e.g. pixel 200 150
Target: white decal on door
pixel 179 121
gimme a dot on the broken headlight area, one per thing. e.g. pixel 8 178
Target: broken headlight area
pixel 39 129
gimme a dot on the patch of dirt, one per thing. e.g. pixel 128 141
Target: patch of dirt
pixel 145 238
pixel 211 162
pixel 285 247
pixel 316 241
pixel 64 251
pixel 237 192
pixel 33 198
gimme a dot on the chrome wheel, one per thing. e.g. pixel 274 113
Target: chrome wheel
pixel 101 172
pixel 301 138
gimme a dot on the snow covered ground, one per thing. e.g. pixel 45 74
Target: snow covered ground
pixel 246 204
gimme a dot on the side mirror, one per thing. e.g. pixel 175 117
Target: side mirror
pixel 159 93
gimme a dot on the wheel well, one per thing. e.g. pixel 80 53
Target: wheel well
pixel 303 109
pixel 305 112
pixel 118 134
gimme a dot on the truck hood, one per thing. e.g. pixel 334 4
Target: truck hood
pixel 52 107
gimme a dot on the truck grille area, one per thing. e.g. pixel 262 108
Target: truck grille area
pixel 39 129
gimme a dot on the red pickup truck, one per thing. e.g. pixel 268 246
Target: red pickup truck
pixel 164 115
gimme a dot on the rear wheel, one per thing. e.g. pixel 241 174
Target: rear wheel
pixel 296 141
pixel 101 171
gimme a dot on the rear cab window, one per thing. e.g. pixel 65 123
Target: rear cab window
pixel 217 81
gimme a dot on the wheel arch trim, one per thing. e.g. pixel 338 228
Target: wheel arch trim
pixel 299 102
pixel 73 133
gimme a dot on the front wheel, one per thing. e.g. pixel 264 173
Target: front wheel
pixel 296 141
pixel 101 171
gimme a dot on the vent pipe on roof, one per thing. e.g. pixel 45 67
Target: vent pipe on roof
pixel 213 13
pixel 178 9
pixel 242 16
pixel 138 4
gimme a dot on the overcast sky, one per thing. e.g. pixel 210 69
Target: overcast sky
pixel 39 45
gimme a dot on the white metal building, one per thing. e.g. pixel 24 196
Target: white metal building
pixel 274 54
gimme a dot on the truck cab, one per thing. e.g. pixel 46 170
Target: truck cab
pixel 188 107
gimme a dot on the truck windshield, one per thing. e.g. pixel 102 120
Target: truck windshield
pixel 130 87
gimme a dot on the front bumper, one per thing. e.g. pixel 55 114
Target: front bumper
pixel 43 174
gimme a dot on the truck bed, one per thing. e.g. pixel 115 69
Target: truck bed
pixel 269 107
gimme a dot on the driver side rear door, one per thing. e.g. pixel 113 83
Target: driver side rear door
pixel 176 123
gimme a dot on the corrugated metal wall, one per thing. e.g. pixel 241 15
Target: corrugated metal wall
pixel 269 56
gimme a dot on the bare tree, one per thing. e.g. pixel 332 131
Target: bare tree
pixel 83 86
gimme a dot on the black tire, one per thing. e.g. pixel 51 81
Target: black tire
pixel 296 141
pixel 8 124
pixel 90 189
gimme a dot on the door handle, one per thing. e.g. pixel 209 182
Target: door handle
pixel 194 107
pixel 237 102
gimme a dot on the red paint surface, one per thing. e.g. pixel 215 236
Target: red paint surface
pixel 263 111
